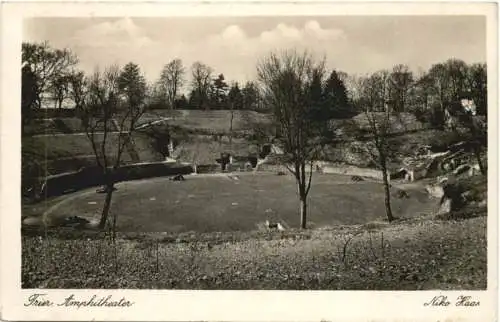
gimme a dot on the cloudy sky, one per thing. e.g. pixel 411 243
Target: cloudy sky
pixel 232 45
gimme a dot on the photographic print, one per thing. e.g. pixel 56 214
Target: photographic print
pixel 302 152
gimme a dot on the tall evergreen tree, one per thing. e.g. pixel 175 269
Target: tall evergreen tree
pixel 132 84
pixel 235 97
pixel 219 92
pixel 315 98
pixel 336 102
pixel 200 84
pixel 251 96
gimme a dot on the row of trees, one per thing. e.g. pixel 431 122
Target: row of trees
pixel 211 91
pixel 51 74
pixel 431 93
pixel 207 90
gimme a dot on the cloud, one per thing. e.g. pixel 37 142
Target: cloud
pixel 234 52
pixel 114 42
pixel 360 46
pixel 314 29
pixel 122 32
pixel 231 51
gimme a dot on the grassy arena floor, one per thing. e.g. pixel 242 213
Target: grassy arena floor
pixel 219 203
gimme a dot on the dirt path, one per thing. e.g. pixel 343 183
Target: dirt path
pixel 46 214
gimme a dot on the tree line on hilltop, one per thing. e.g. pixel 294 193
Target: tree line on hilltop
pixel 51 74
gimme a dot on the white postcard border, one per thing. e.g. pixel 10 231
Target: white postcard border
pixel 157 305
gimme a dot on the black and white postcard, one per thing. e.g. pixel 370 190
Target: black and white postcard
pixel 249 161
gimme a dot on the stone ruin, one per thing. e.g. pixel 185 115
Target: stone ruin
pixel 269 154
pixel 231 163
pixel 457 160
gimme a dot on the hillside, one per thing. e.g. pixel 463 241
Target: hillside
pixel 211 121
pixel 59 153
pixel 61 145
pixel 419 254
pixel 201 136
pixel 59 125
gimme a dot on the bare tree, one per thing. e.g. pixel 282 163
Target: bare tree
pixel 375 103
pixel 78 89
pixel 46 64
pixel 202 78
pixel 287 80
pixel 401 81
pixel 171 80
pixel 59 88
pixel 111 111
pixel 448 83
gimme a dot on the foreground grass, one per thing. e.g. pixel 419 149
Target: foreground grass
pixel 410 255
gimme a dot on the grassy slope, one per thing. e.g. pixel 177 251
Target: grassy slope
pixel 64 153
pixel 215 120
pixel 419 254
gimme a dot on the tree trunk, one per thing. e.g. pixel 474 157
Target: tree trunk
pixel 231 129
pixel 477 153
pixel 387 191
pixel 301 190
pixel 303 212
pixel 107 205
pixel 114 226
pixel 38 100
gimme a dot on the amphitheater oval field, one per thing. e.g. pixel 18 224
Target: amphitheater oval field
pixel 238 202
